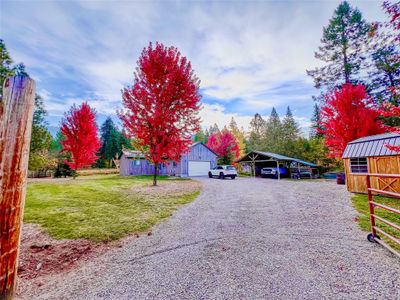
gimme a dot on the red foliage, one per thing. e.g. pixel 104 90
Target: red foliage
pixel 81 140
pixel 393 10
pixel 347 115
pixel 163 104
pixel 389 110
pixel 224 144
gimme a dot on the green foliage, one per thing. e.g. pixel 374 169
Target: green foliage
pixel 257 132
pixel 343 42
pixel 100 207
pixel 200 136
pixel 6 68
pixel 112 142
pixel 316 123
pixel 40 155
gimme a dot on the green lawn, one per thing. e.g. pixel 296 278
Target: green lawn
pixel 102 207
pixel 360 202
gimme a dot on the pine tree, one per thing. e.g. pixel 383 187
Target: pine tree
pixel 290 134
pixel 315 130
pixel 257 131
pixel 342 48
pixel 6 68
pixel 213 129
pixel 112 142
pixel 274 133
pixel 384 70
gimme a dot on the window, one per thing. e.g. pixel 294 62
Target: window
pixel 220 168
pixel 359 165
pixel 137 162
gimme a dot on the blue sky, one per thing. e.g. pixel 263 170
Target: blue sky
pixel 249 55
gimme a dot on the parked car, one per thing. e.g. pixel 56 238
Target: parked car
pixel 223 171
pixel 273 172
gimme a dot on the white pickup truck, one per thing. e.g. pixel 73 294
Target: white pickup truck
pixel 223 171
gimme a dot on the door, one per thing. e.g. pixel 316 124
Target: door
pixel 199 168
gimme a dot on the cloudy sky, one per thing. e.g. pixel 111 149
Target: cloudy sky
pixel 250 55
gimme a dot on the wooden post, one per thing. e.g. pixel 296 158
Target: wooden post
pixel 279 172
pixel 16 113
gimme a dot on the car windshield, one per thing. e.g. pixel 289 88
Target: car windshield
pixel 230 168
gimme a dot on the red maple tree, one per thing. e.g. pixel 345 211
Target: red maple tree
pixel 225 145
pixel 391 111
pixel 348 115
pixel 80 136
pixel 161 108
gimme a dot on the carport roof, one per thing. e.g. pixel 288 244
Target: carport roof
pixel 277 157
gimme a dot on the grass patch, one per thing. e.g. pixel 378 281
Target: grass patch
pixel 360 202
pixel 100 207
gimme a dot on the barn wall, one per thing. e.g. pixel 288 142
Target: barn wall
pixel 198 152
pixel 129 167
pixel 376 164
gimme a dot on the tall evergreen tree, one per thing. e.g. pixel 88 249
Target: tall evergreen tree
pixel 112 142
pixel 315 130
pixel 6 68
pixel 257 131
pixel 213 129
pixel 384 73
pixel 342 48
pixel 290 134
pixel 274 133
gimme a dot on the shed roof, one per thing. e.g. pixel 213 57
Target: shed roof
pixel 374 145
pixel 277 157
pixel 138 154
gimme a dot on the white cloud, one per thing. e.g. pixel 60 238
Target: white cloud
pixel 242 51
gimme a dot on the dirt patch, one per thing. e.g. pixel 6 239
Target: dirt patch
pixel 41 255
pixel 170 188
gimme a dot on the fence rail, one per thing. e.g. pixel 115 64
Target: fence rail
pixel 374 237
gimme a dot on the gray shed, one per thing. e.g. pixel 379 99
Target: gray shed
pixel 197 162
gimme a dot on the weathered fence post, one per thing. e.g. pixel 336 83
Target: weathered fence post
pixel 16 112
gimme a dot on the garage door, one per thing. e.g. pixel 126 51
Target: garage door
pixel 199 168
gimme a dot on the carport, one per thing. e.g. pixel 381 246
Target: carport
pixel 258 160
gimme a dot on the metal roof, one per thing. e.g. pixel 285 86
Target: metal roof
pixel 138 154
pixel 374 145
pixel 280 158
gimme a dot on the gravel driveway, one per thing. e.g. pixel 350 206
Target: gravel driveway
pixel 244 239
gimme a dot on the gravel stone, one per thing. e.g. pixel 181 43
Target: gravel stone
pixel 248 238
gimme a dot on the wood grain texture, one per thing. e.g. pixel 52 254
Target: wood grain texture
pixel 16 113
pixel 376 164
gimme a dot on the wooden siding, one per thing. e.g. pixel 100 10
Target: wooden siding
pixel 144 167
pixel 198 152
pixel 376 164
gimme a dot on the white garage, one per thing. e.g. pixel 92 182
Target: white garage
pixel 198 168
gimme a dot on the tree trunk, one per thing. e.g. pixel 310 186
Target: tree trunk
pixel 155 174
pixel 16 113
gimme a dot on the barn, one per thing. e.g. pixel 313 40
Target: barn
pixel 370 155
pixel 197 162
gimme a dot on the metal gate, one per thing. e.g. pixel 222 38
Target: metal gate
pixel 373 205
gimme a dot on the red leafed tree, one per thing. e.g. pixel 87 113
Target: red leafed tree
pixel 393 10
pixel 348 115
pixel 80 136
pixel 225 145
pixel 389 110
pixel 161 108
